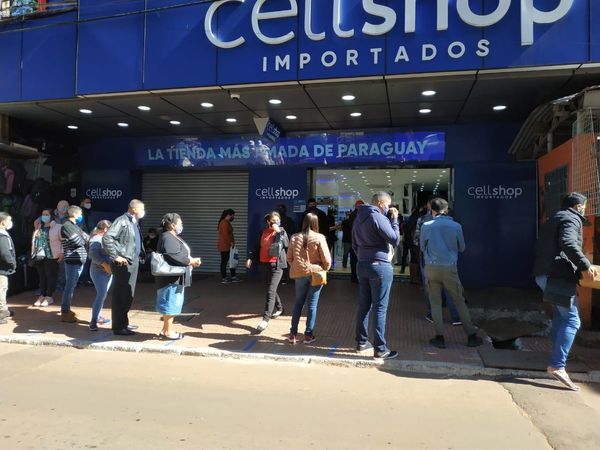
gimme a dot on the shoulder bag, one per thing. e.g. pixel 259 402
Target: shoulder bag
pixel 276 246
pixel 160 268
pixel 317 277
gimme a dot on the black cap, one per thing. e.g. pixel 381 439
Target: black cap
pixel 573 199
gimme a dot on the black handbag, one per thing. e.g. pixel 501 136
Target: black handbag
pixel 276 246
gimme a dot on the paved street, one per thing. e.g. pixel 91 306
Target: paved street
pixel 61 398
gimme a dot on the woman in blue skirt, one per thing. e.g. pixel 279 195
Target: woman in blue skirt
pixel 170 289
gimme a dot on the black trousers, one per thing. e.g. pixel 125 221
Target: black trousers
pixel 124 280
pixel 353 262
pixel 47 270
pixel 224 261
pixel 273 278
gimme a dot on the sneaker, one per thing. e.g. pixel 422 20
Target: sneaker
pixel 438 341
pixel 235 280
pixel 225 281
pixel 262 326
pixel 293 338
pixel 277 313
pixel 93 327
pixel 428 318
pixel 362 347
pixel 562 376
pixel 47 301
pixel 102 320
pixel 474 341
pixel 456 322
pixel 69 317
pixel 5 313
pixel 389 354
pixel 3 321
pixel 39 301
pixel 309 338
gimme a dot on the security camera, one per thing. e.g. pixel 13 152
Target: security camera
pixel 234 96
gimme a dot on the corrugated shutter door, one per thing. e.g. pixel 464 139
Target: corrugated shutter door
pixel 199 198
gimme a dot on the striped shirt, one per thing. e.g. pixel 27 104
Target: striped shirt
pixel 74 242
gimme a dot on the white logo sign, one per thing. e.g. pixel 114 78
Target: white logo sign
pixel 499 192
pixel 279 193
pixel 104 193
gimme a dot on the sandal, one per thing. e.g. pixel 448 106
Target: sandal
pixel 173 337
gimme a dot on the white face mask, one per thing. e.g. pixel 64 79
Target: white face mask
pixel 9 226
pixel 87 205
pixel 141 214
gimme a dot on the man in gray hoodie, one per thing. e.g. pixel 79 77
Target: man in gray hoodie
pixel 375 235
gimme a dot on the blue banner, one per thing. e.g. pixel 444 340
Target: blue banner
pixel 322 149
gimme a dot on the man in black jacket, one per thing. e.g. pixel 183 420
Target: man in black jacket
pixel 8 263
pixel 559 264
pixel 123 244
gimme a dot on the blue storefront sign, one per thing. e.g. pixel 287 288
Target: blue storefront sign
pixel 325 148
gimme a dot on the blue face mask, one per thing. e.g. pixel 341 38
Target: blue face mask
pixel 79 220
pixel 386 211
pixel 45 219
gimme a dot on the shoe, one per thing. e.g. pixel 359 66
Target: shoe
pixel 6 313
pixel 102 321
pixel 389 354
pixel 39 301
pixel 293 338
pixel 438 341
pixel 47 301
pixel 235 280
pixel 309 338
pixel 474 341
pixel 132 327
pixel 428 318
pixel 69 317
pixel 3 321
pixel 93 327
pixel 362 347
pixel 173 337
pixel 124 332
pixel 262 326
pixel 225 281
pixel 562 376
pixel 277 313
pixel 456 322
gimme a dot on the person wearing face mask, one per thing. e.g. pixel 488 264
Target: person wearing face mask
pixel 8 263
pixel 74 242
pixel 270 251
pixel 47 240
pixel 123 244
pixel 151 240
pixel 86 208
pixel 225 243
pixel 60 216
pixel 559 265
pixel 375 235
pixel 323 220
pixel 170 290
pixel 100 272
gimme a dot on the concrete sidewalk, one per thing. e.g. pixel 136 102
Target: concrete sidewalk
pixel 220 320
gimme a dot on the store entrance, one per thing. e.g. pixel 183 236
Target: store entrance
pixel 337 192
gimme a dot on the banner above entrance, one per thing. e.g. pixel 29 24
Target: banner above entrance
pixel 315 149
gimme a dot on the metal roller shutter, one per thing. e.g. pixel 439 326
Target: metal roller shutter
pixel 199 197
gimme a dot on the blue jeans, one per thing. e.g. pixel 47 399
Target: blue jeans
pixel 375 283
pixel 305 292
pixel 445 296
pixel 72 273
pixel 102 281
pixel 565 323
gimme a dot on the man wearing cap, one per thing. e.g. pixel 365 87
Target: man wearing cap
pixel 559 264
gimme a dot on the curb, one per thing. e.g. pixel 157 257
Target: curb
pixel 445 369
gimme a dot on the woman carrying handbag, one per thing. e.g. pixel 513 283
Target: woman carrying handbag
pixel 309 259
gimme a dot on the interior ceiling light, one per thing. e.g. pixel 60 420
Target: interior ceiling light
pixel 123 124
pixel 72 127
pixel 275 101
pixel 231 120
pixel 292 117
pixel 175 122
pixel 428 93
pixel 206 105
pixel 425 111
pixel 85 111
pixel 499 108
pixel 443 171
pixel 144 108
pixel 348 97
pixel 355 114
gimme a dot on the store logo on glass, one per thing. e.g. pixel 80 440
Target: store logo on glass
pixel 103 193
pixel 279 193
pixel 488 192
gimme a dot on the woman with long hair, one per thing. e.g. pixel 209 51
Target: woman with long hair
pixel 225 244
pixel 47 243
pixel 308 252
pixel 100 273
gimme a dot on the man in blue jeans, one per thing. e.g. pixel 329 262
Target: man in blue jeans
pixel 559 264
pixel 375 235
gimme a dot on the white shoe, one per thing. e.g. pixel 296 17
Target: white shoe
pixel 562 376
pixel 262 326
pixel 47 301
pixel 39 301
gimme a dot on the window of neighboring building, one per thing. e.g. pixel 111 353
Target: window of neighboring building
pixel 555 188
